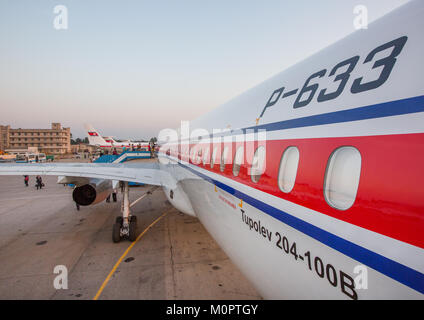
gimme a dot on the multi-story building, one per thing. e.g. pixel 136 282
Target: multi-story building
pixel 56 140
pixel 4 137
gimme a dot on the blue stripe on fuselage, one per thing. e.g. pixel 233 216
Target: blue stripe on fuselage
pixel 381 110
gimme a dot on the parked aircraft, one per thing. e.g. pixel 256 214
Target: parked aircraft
pixel 96 139
pixel 316 176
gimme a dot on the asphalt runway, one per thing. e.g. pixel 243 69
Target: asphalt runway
pixel 173 259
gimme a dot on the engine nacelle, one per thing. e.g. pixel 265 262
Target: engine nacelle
pixel 92 193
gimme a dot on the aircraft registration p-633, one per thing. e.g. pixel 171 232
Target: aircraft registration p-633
pixel 314 185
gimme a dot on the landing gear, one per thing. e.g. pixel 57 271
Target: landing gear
pixel 132 235
pixel 125 226
pixel 116 232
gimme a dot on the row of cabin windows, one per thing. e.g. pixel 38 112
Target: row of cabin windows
pixel 341 177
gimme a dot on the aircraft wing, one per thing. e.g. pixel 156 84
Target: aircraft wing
pixel 147 173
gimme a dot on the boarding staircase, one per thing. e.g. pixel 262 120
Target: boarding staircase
pixel 123 157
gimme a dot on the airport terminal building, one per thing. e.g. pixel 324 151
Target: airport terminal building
pixel 56 140
pixel 4 137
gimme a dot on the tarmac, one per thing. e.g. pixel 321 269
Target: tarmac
pixel 173 258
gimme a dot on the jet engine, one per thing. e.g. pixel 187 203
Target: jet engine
pixel 94 192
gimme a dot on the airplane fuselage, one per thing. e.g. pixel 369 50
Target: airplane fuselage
pixel 333 207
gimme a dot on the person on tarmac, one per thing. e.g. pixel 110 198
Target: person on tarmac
pixel 26 180
pixel 114 196
pixel 76 203
pixel 39 182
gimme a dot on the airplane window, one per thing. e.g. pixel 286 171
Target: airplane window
pixel 238 161
pixel 193 155
pixel 224 157
pixel 342 178
pixel 206 156
pixel 288 169
pixel 215 151
pixel 199 156
pixel 258 164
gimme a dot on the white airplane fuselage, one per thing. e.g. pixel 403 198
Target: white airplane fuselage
pixel 352 208
pixel 96 139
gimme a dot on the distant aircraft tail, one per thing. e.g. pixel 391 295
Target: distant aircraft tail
pixel 94 137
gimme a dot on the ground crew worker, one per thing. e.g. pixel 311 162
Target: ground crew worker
pixel 114 194
pixel 39 182
pixel 76 203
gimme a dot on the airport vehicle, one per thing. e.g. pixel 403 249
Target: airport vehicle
pixel 96 139
pixel 20 158
pixel 41 157
pixel 30 157
pixel 314 181
pixel 7 157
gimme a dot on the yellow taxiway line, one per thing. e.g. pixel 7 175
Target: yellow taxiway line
pixel 99 292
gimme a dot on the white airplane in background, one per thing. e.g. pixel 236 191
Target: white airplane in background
pixel 128 143
pixel 334 186
pixel 95 139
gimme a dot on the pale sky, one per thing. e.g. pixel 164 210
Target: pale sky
pixel 133 67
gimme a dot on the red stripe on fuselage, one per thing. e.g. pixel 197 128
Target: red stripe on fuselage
pixel 390 198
